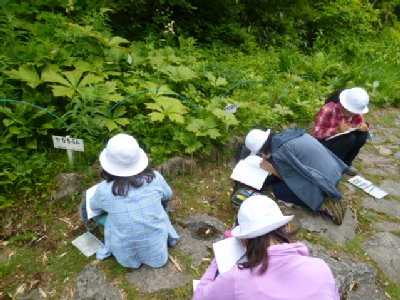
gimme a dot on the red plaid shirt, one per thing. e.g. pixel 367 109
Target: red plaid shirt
pixel 328 119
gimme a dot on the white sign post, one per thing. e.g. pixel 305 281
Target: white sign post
pixel 231 108
pixel 69 144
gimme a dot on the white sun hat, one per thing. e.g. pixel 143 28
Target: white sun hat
pixel 355 100
pixel 123 157
pixel 257 216
pixel 255 139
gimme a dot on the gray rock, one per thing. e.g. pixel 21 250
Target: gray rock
pixel 31 295
pixel 177 166
pixel 391 186
pixel 389 207
pixel 384 249
pixel 150 280
pixel 91 285
pixel 67 184
pixel 198 233
pixel 356 281
pixel 384 151
pixel 326 228
pixel 386 226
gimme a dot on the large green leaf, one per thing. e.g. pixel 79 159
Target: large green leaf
pixel 26 74
pixel 90 79
pixel 180 73
pixel 50 75
pixel 168 107
pixel 201 127
pixel 63 91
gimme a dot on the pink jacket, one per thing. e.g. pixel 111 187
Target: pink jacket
pixel 292 275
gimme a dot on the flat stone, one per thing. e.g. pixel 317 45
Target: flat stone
pixel 177 166
pixel 31 295
pixel 356 281
pixel 383 150
pixel 67 184
pixel 387 206
pixel 384 249
pixel 382 170
pixel 91 285
pixel 386 226
pixel 198 233
pixel 325 227
pixel 391 186
pixel 150 280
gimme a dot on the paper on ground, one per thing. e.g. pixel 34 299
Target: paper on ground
pixel 195 283
pixel 341 133
pixel 248 171
pixel 87 243
pixel 227 252
pixel 89 194
pixel 367 186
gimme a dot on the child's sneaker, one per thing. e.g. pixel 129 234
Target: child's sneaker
pixel 334 209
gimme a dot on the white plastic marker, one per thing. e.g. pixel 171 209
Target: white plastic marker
pixel 69 144
pixel 231 108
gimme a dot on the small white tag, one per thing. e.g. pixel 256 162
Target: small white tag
pixel 68 143
pixel 231 108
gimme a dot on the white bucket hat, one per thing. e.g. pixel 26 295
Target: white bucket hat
pixel 257 216
pixel 355 100
pixel 123 157
pixel 255 139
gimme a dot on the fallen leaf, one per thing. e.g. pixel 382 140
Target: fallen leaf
pixel 42 293
pixel 21 289
pixel 175 263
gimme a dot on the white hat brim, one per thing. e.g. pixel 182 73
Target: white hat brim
pixel 261 229
pixel 124 171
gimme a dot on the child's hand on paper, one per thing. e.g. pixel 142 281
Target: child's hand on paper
pixel 343 127
pixel 363 127
pixel 267 166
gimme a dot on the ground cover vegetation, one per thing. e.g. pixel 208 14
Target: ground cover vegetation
pixel 163 71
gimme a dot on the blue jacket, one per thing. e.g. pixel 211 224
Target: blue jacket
pixel 309 169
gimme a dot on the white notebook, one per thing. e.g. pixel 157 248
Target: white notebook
pixel 227 253
pixel 341 133
pixel 248 171
pixel 89 194
pixel 87 243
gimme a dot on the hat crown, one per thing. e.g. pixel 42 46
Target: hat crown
pixel 123 157
pixel 257 210
pixel 255 139
pixel 123 150
pixel 355 100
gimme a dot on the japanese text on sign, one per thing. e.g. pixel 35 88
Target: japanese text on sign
pixel 231 108
pixel 68 143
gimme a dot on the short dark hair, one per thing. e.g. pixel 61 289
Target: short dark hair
pixel 256 249
pixel 121 184
pixel 334 97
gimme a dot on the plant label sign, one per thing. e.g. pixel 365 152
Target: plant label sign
pixel 68 143
pixel 231 108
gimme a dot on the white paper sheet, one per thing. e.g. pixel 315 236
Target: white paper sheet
pixel 87 243
pixel 227 252
pixel 89 194
pixel 248 171
pixel 195 283
pixel 367 186
pixel 341 133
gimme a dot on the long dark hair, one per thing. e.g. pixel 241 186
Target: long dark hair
pixel 334 97
pixel 121 184
pixel 256 248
